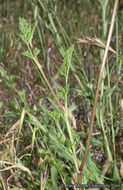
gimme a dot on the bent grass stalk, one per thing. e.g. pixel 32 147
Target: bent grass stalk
pixel 98 88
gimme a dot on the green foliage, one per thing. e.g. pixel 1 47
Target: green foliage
pixel 94 141
pixel 27 54
pixel 59 144
pixel 63 92
pixel 34 121
pixel 54 174
pixel 26 34
pixel 38 133
pixel 116 176
pixel 36 51
pixel 26 31
pixel 67 61
pixel 8 80
pixel 54 115
pixel 94 172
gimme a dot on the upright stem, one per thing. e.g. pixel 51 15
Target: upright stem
pixel 98 88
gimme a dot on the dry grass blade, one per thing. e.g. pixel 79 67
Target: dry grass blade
pixel 13 128
pixel 121 168
pixel 44 177
pixel 121 104
pixel 17 166
pixel 95 41
pixel 5 140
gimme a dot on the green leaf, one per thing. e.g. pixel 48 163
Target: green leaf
pixel 63 92
pixel 62 150
pixel 94 171
pixel 54 115
pixel 8 80
pixel 27 54
pixel 22 37
pixel 23 96
pixel 54 174
pixel 87 88
pixel 1 105
pixel 34 136
pixel 116 176
pixel 29 37
pixel 108 92
pixel 26 31
pixel 14 104
pixel 33 120
pixel 94 141
pixel 36 51
pixel 66 61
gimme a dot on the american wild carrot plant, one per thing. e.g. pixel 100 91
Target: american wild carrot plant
pixel 50 79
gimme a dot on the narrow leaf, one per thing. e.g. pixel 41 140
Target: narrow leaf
pixel 36 51
pixel 54 174
pixel 116 175
pixel 27 54
pixel 66 61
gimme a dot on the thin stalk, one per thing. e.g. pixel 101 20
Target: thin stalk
pixel 48 84
pixel 104 6
pixel 68 125
pixel 111 113
pixel 39 30
pixel 72 141
pixel 98 88
pixel 117 68
pixel 2 181
pixel 105 138
pixel 35 59
pixel 105 26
